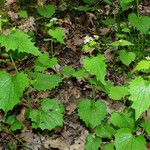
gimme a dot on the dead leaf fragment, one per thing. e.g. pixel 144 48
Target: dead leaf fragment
pixel 55 143
pixel 109 55
pixel 21 115
pixel 104 31
pixel 79 143
pixel 9 2
pixel 29 25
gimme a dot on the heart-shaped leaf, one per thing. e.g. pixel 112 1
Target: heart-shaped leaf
pixel 45 81
pixel 123 120
pixel 118 92
pixel 126 57
pixel 96 66
pixel 92 143
pixel 43 62
pixel 57 34
pixel 108 146
pixel 48 116
pixel 92 113
pixel 105 131
pixel 140 95
pixel 141 23
pixel 18 40
pixel 125 4
pixel 124 140
pixel 13 122
pixel 11 89
pixel 47 11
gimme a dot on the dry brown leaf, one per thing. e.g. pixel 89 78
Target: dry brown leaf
pixel 70 108
pixel 79 143
pixel 27 136
pixel 42 95
pixel 12 15
pixel 9 2
pixel 114 106
pixel 29 25
pixel 74 42
pixel 109 55
pixel 40 2
pixel 12 5
pixel 55 143
pixel 21 115
pixel 104 31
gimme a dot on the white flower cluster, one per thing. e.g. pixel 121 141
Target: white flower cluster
pixel 54 20
pixel 88 39
pixel 147 58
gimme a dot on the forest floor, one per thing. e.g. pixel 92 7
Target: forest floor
pixel 76 26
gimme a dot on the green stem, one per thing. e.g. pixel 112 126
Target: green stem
pixel 146 115
pixel 137 7
pixel 92 103
pixel 13 63
pixel 94 94
pixel 52 51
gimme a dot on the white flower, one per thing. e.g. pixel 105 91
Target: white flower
pixel 54 20
pixel 96 37
pixel 148 57
pixel 87 39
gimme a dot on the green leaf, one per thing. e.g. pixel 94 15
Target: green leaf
pixel 118 92
pixel 96 112
pixel 90 1
pixel 124 140
pixel 126 57
pixel 18 40
pixel 105 131
pixel 1 128
pixel 140 95
pixel 13 122
pixel 92 143
pixel 143 66
pixel 126 30
pixel 96 66
pixel 11 89
pixel 109 146
pixel 141 23
pixel 43 62
pixel 57 34
pixel 68 71
pixel 123 120
pixel 146 126
pixel 125 4
pixel 121 43
pixel 109 2
pixel 47 11
pixel 85 8
pixel 48 116
pixel 80 74
pixel 45 81
pixel 23 14
pixel 100 86
pixel 109 21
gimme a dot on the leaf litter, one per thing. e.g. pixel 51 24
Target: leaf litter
pixel 73 134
